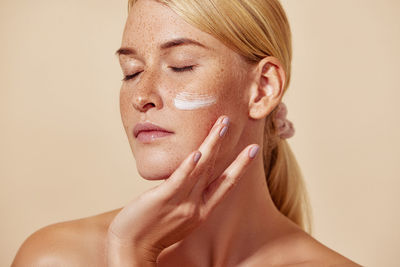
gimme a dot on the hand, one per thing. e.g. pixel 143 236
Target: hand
pixel 170 211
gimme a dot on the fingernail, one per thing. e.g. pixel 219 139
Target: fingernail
pixel 225 121
pixel 223 131
pixel 253 151
pixel 197 156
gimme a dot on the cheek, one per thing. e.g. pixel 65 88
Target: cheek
pixel 192 101
pixel 123 103
pixel 196 124
pixel 218 93
pixel 127 112
pixel 213 88
pixel 197 130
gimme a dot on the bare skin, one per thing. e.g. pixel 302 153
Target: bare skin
pixel 86 242
pixel 219 211
pixel 83 243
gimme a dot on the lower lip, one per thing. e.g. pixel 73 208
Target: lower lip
pixel 149 136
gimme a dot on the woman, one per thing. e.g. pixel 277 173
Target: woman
pixel 201 106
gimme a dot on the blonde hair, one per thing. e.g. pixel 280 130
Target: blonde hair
pixel 256 29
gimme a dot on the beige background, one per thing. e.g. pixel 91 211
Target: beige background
pixel 64 154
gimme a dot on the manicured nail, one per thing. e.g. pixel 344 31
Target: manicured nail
pixel 223 131
pixel 197 156
pixel 253 151
pixel 225 121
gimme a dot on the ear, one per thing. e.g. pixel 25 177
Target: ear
pixel 267 89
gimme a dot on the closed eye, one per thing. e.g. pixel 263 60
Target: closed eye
pixel 186 68
pixel 129 77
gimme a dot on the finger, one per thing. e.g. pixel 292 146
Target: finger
pixel 182 181
pixel 176 181
pixel 209 149
pixel 219 188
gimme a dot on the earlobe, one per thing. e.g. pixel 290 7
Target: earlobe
pixel 267 90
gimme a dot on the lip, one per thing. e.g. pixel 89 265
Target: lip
pixel 146 132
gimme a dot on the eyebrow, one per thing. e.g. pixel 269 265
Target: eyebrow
pixel 164 46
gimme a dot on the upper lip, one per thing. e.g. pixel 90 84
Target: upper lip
pixel 147 126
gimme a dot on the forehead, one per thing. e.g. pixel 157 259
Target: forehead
pixel 150 24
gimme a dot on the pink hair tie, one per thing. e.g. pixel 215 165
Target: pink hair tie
pixel 284 126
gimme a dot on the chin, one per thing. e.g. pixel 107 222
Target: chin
pixel 156 167
pixel 154 175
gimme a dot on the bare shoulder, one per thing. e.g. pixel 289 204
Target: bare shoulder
pixel 317 254
pixel 78 242
pixel 299 249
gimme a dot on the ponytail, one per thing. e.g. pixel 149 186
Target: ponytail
pixel 284 178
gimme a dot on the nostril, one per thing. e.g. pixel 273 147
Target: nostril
pixel 144 103
pixel 148 106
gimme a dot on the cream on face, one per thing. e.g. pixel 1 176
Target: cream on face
pixel 190 101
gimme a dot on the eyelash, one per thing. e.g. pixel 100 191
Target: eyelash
pixel 187 68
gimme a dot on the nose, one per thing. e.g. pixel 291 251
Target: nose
pixel 146 96
pixel 144 103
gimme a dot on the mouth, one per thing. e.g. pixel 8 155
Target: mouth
pixel 149 136
pixel 148 132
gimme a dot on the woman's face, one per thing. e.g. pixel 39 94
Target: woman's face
pixel 181 87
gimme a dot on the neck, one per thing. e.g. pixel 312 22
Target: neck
pixel 244 221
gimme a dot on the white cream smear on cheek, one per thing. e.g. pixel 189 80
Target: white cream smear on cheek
pixel 190 101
